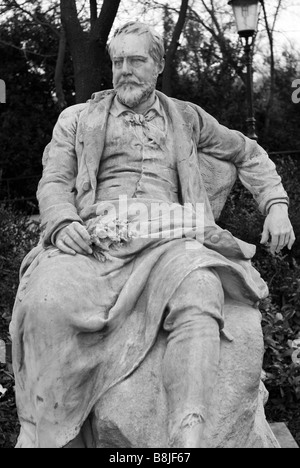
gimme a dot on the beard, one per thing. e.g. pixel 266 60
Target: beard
pixel 132 93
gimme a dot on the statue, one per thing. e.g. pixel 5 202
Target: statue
pixel 136 322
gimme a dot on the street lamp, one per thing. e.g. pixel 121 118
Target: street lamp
pixel 246 17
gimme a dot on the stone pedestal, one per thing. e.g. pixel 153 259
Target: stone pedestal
pixel 134 413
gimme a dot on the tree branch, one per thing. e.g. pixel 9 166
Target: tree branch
pixel 25 51
pixel 70 21
pixel 272 65
pixel 58 77
pixel 266 21
pixel 212 13
pixel 196 17
pixel 218 35
pixel 33 16
pixel 276 14
pixel 166 85
pixel 105 21
pixel 93 11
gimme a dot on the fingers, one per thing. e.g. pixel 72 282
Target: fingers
pixel 265 236
pixel 278 226
pixel 280 236
pixel 274 244
pixel 278 242
pixel 75 245
pixel 63 247
pixel 291 240
pixel 74 239
pixel 81 237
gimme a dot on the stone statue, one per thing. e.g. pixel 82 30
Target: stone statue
pixel 136 322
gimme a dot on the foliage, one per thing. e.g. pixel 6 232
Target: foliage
pixel 9 425
pixel 17 236
pixel 28 58
pixel 281 310
pixel 285 115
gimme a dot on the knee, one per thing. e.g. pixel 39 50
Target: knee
pixel 199 298
pixel 200 284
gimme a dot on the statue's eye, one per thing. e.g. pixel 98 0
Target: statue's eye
pixel 137 62
pixel 118 63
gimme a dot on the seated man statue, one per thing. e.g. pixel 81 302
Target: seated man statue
pixel 131 262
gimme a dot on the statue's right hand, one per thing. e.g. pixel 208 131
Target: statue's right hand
pixel 73 239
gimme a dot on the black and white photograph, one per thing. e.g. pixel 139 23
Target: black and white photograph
pixel 149 226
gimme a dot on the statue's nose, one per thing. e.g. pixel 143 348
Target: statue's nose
pixel 126 69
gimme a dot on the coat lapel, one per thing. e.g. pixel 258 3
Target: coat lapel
pixel 94 131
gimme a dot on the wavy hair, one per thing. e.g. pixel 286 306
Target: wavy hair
pixel 156 49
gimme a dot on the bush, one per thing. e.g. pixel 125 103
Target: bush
pixel 18 234
pixel 281 310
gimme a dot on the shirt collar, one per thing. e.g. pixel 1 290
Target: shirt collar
pixel 118 108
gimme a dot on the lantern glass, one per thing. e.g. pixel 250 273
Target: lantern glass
pixel 246 16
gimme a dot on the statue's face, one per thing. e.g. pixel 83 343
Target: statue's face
pixel 134 70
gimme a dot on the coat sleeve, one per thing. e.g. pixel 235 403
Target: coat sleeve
pixel 55 192
pixel 255 169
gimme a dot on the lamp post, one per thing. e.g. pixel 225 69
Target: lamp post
pixel 246 18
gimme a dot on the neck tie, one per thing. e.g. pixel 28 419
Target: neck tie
pixel 151 131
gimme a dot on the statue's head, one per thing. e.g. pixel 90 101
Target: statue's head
pixel 137 54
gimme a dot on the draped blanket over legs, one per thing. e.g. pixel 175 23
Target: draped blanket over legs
pixel 100 328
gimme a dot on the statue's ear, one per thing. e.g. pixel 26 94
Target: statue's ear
pixel 161 66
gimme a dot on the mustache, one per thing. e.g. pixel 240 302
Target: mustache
pixel 129 82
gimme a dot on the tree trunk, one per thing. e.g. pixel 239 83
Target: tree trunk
pixel 59 70
pixel 88 49
pixel 171 53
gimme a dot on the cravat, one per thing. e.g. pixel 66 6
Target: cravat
pixel 150 130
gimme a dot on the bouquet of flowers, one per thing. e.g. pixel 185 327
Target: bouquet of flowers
pixel 109 234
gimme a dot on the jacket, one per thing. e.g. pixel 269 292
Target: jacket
pixel 209 157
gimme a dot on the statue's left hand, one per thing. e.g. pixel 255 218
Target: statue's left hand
pixel 278 229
